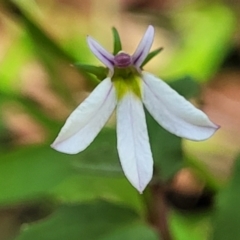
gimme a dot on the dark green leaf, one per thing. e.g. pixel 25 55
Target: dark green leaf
pixel 84 187
pixel 134 232
pixel 96 221
pixel 34 171
pixel 186 87
pixel 28 173
pixel 117 47
pixel 151 55
pixel 227 212
pixel 101 156
pixel 166 149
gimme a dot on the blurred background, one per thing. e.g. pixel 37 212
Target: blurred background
pixel 48 195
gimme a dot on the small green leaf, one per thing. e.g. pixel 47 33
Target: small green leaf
pixel 116 41
pixel 99 72
pixel 151 55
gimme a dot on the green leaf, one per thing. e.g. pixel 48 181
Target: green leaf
pixel 98 220
pixel 85 187
pixel 186 86
pixel 30 173
pixel 166 149
pixel 227 212
pixel 151 55
pixel 116 41
pixel 99 174
pixel 99 72
pixel 134 232
pixel 101 156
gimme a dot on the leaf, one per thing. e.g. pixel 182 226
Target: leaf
pixel 101 156
pixel 166 149
pixel 186 86
pixel 85 186
pixel 98 175
pixel 99 72
pixel 30 173
pixel 227 212
pixel 98 220
pixel 134 232
pixel 116 41
pixel 151 55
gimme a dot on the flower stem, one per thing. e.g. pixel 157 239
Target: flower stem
pixel 158 211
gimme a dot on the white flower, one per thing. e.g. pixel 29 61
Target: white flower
pixel 127 88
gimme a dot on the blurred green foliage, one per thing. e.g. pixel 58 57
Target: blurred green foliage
pixel 94 220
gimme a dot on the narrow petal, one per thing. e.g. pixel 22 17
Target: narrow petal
pixel 133 143
pixel 143 47
pixel 102 54
pixel 173 112
pixel 86 121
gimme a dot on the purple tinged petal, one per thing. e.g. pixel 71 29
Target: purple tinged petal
pixel 173 112
pixel 143 47
pixel 101 53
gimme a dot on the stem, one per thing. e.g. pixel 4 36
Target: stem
pixel 158 211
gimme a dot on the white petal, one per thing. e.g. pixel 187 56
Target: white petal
pixel 143 47
pixel 133 143
pixel 173 112
pixel 101 53
pixel 86 121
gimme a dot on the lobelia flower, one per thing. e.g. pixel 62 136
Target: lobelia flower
pixel 127 88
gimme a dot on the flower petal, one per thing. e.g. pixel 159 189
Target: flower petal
pixel 173 112
pixel 143 47
pixel 132 141
pixel 87 119
pixel 102 54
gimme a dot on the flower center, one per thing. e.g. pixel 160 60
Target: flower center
pixel 122 60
